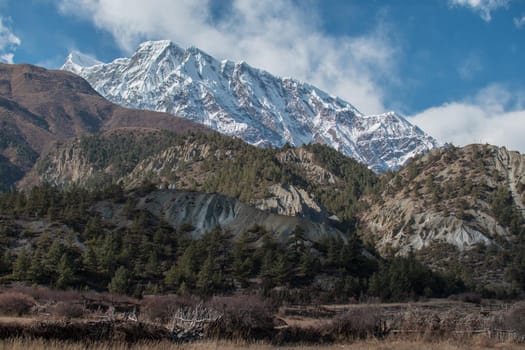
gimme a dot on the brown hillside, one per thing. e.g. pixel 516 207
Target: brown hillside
pixel 39 106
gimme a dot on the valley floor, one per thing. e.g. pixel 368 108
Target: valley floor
pixel 442 324
pixel 476 344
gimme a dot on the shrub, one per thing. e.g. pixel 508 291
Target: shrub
pixel 161 309
pixel 45 294
pixel 246 317
pixel 515 319
pixel 68 310
pixel 15 303
pixel 359 322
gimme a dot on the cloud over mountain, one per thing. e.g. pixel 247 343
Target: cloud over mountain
pixel 283 37
pixel 8 43
pixel 495 115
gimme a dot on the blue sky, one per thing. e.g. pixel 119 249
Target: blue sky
pixel 453 67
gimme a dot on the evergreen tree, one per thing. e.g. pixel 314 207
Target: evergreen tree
pixel 243 259
pixel 89 259
pixel 93 228
pixel 53 256
pixel 206 278
pixel 36 271
pixel 295 246
pixel 152 267
pixel 65 272
pixel 120 283
pixel 21 265
pixel 281 270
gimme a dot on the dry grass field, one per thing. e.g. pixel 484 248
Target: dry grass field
pixel 388 344
pixel 38 318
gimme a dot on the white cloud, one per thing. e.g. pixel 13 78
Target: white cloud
pixel 494 115
pixel 282 36
pixel 519 22
pixel 482 7
pixel 8 43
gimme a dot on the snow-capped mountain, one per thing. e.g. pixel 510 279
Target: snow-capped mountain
pixel 239 100
pixel 76 61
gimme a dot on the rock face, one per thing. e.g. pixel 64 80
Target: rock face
pixel 68 163
pixel 302 159
pixel 239 100
pixel 461 196
pixel 290 201
pixel 206 211
pixel 512 166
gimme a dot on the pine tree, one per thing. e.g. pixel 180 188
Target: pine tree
pixel 21 265
pixel 65 272
pixel 36 271
pixel 281 270
pixel 89 259
pixel 53 256
pixel 93 228
pixel 172 277
pixel 120 283
pixel 308 265
pixel 152 267
pixel 296 246
pixel 205 278
pixel 243 264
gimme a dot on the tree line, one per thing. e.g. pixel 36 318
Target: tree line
pixel 75 247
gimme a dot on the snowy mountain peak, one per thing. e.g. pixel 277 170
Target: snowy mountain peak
pixel 154 49
pixel 239 100
pixel 155 45
pixel 76 61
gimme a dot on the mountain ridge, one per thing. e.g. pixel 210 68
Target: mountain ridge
pixel 239 100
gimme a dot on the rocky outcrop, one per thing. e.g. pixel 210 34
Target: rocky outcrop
pixel 512 165
pixel 204 212
pixel 403 227
pixel 171 166
pixel 290 201
pixel 448 196
pixel 304 160
pixel 66 164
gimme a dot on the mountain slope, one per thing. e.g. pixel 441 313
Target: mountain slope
pixel 312 181
pixel 461 196
pixel 38 107
pixel 458 209
pixel 239 100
